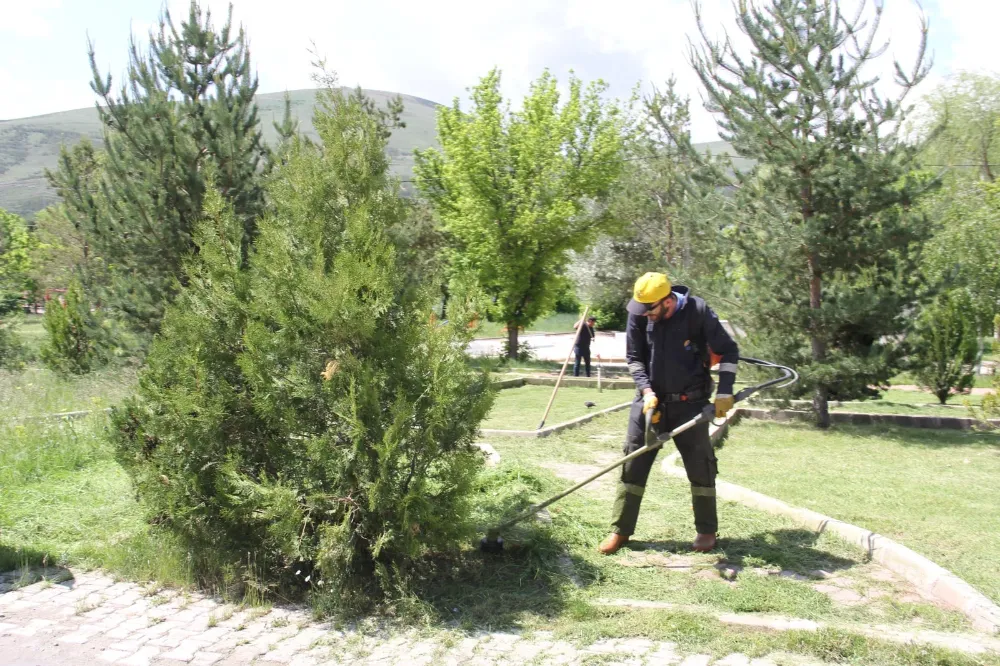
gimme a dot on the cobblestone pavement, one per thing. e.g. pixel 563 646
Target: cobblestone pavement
pixel 91 619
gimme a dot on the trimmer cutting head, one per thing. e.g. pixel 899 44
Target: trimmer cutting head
pixel 491 543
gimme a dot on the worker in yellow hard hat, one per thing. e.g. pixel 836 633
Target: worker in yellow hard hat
pixel 671 337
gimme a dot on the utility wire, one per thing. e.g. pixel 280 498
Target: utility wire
pixel 738 157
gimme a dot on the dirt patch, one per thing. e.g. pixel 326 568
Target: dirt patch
pixel 577 473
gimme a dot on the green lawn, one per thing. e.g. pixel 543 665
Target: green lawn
pixel 32 332
pixel 934 491
pixel 554 323
pixel 917 403
pixel 522 408
pixel 979 381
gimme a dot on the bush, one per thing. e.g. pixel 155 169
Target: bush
pixel 305 414
pixel 566 301
pixel 946 345
pixel 73 344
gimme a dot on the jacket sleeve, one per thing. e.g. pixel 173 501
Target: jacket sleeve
pixel 637 351
pixel 723 344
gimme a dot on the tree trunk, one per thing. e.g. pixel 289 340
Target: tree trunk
pixel 512 341
pixel 444 301
pixel 820 398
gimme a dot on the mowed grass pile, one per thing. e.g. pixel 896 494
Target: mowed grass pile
pixel 522 408
pixel 936 492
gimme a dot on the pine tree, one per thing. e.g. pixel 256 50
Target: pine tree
pixel 826 228
pixel 186 104
pixel 303 407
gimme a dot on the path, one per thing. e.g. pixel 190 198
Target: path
pixel 93 620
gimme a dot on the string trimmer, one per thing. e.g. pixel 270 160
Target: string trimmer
pixel 493 542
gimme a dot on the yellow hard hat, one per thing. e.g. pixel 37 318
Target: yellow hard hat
pixel 649 289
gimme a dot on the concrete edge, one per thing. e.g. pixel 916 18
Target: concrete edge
pixel 559 427
pixel 915 568
pixel 583 382
pixel 64 416
pixel 863 418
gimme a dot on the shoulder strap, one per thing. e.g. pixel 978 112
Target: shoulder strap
pixel 696 331
pixel 695 320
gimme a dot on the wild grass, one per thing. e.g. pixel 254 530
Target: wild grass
pixel 37 391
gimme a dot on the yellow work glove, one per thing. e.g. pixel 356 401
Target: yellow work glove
pixel 649 401
pixel 723 403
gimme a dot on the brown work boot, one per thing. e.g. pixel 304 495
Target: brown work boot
pixel 703 543
pixel 612 544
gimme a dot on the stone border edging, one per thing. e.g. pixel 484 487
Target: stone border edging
pixel 65 416
pixel 863 418
pixel 915 568
pixel 559 427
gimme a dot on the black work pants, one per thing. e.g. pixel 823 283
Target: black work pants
pixel 698 455
pixel 581 353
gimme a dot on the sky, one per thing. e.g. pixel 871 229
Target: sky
pixel 437 49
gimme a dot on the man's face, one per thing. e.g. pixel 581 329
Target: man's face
pixel 663 310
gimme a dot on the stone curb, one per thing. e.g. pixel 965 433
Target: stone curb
pixel 968 643
pixel 915 568
pixel 584 382
pixel 859 418
pixel 559 427
pixel 62 416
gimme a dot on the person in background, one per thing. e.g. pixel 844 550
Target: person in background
pixel 584 336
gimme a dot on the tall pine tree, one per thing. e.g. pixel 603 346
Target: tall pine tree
pixel 186 103
pixel 825 225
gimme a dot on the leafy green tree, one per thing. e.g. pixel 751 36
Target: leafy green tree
pixel 826 227
pixel 960 125
pixel 59 252
pixel 75 336
pixel 516 191
pixel 302 410
pixel 946 345
pixel 186 106
pixel 668 210
pixel 16 246
pixel 965 250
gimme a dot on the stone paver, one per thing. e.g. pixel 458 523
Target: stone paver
pixel 95 620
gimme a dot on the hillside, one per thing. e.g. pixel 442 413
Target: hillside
pixel 28 146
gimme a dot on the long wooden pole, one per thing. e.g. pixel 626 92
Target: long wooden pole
pixel 583 322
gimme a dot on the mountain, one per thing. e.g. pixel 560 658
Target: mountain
pixel 28 146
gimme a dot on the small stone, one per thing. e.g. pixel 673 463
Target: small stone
pixel 696 660
pixel 112 656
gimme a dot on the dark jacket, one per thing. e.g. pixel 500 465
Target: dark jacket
pixel 669 356
pixel 584 335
